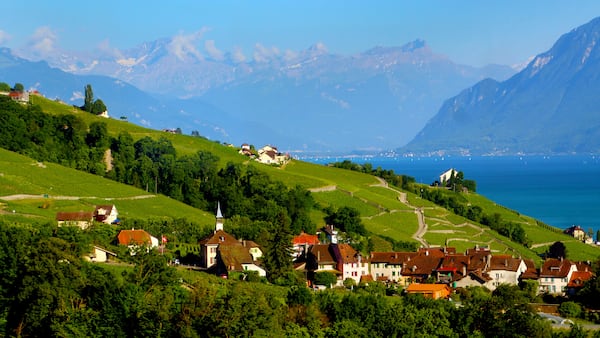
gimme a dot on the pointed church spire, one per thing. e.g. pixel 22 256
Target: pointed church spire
pixel 219 218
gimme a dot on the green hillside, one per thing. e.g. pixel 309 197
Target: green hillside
pixel 37 191
pixel 386 211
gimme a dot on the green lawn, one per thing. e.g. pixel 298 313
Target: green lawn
pixel 339 198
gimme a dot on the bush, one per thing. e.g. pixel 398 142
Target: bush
pixel 569 309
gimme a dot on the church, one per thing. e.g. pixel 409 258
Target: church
pixel 221 253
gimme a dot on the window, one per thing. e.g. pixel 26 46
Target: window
pixel 393 273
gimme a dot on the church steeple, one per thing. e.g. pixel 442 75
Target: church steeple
pixel 219 218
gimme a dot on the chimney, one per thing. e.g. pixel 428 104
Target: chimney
pixel 464 270
pixel 395 255
pixel 318 256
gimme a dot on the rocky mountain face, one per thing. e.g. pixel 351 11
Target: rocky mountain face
pixel 550 107
pixel 307 100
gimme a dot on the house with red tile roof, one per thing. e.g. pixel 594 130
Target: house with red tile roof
pixel 555 275
pixel 300 243
pixel 353 265
pixel 578 279
pixel 135 239
pixel 81 219
pixel 505 269
pixel 387 266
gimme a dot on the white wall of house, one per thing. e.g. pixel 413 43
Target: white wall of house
pixel 556 285
pixel 355 270
pixel 254 267
pixel 393 272
pixel 505 276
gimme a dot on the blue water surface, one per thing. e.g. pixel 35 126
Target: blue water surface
pixel 558 190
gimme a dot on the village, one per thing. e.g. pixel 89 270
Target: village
pixel 434 272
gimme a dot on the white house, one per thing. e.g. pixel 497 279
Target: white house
pixel 270 155
pixel 100 255
pixel 445 176
pixel 82 219
pixel 555 275
pixel 135 239
pixel 504 269
pixel 107 214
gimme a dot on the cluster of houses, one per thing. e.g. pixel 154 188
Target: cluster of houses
pixel 433 272
pixel 267 154
pixel 20 96
pixel 107 214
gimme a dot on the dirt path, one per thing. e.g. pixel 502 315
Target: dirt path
pixel 322 189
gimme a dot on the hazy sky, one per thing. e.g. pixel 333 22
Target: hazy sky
pixel 470 32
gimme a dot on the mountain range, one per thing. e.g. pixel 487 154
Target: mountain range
pixel 310 100
pixel 550 107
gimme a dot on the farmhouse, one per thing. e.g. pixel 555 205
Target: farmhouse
pixel 82 219
pixel 106 214
pixel 135 239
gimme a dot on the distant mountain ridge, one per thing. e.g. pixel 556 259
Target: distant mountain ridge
pixel 298 100
pixel 550 107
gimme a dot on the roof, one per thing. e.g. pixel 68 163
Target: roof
pixel 433 252
pixel 418 287
pixel 395 258
pixel 531 272
pixel 578 278
pixel 322 253
pixel 233 256
pixel 421 265
pixel 218 237
pixel 557 268
pixel 74 216
pixel 305 238
pixel 348 254
pixel 504 262
pixel 366 278
pixel 138 237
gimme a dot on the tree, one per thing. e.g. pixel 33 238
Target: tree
pixel 278 258
pixel 347 219
pixel 569 309
pixel 557 250
pixel 4 87
pixel 88 100
pixel 19 87
pixel 325 278
pixel 98 107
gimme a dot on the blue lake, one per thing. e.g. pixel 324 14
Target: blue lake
pixel 560 190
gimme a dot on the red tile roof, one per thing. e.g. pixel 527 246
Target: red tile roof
pixel 504 262
pixel 219 237
pixel 557 268
pixel 322 253
pixel 395 258
pixel 578 278
pixel 137 237
pixel 531 272
pixel 348 254
pixel 74 216
pixel 305 238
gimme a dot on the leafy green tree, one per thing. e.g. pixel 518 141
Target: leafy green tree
pixel 278 249
pixel 19 87
pixel 569 309
pixel 349 283
pixel 98 107
pixel 88 100
pixel 4 87
pixel 557 250
pixel 347 219
pixel 325 278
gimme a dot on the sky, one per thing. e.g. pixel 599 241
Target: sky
pixel 471 32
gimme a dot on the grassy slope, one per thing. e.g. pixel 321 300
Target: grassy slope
pixel 21 175
pixel 382 210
